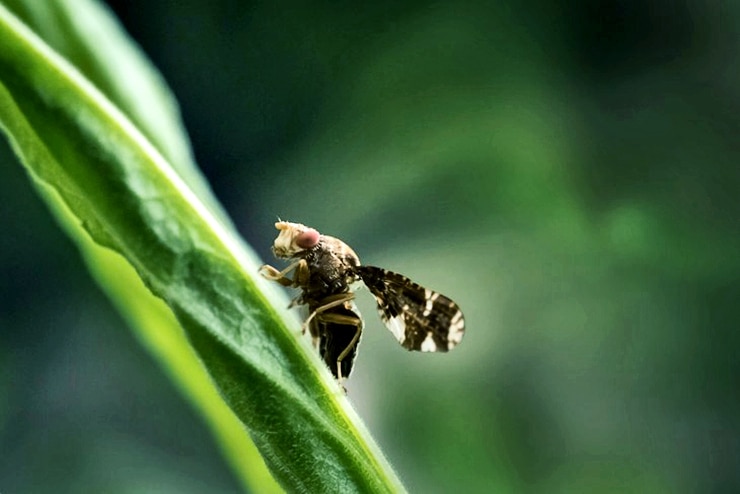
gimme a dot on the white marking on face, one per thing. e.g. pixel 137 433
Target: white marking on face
pixel 428 344
pixel 285 244
pixel 398 328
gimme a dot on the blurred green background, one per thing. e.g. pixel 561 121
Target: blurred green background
pixel 566 171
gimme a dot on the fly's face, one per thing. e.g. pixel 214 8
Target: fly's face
pixel 294 239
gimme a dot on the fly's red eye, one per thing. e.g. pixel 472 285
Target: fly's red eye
pixel 307 239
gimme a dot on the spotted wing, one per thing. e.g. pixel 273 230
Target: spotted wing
pixel 419 318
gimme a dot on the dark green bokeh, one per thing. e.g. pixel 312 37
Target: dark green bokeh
pixel 567 172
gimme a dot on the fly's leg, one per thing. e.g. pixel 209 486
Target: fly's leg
pixel 329 317
pixel 328 303
pixel 299 277
pixel 357 323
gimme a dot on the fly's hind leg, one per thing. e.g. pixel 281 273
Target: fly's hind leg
pixel 344 320
pixel 352 344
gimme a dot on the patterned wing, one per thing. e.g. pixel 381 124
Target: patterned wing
pixel 419 318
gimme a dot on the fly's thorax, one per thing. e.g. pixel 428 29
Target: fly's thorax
pixel 332 268
pixel 341 252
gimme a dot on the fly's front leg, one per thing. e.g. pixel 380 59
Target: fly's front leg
pixel 300 276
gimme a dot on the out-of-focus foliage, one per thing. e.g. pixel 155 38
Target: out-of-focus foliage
pixel 566 171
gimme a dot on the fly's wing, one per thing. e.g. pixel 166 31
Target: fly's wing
pixel 419 318
pixel 336 333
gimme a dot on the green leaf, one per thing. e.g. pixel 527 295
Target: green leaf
pixel 103 162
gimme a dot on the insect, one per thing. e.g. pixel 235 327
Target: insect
pixel 325 269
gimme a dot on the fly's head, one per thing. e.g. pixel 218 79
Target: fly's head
pixel 294 239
